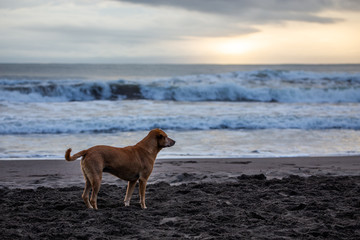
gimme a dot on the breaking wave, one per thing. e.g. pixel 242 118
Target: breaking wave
pixel 258 86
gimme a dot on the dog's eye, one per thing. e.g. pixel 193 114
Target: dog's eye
pixel 160 136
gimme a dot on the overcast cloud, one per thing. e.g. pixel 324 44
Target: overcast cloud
pixel 132 30
pixel 260 11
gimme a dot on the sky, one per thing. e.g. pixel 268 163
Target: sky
pixel 180 31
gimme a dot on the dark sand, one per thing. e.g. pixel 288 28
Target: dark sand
pixel 207 199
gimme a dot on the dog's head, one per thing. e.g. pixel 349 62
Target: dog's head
pixel 162 138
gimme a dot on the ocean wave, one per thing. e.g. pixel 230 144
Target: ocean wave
pixel 258 86
pixel 66 90
pixel 124 124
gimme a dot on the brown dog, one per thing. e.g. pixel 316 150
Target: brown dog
pixel 131 163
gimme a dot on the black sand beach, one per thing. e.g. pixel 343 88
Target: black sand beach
pixel 194 203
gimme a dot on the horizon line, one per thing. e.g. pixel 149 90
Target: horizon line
pixel 132 63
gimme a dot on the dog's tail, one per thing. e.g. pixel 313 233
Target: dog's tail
pixel 68 157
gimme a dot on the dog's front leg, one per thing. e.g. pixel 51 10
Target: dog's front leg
pixel 129 192
pixel 142 188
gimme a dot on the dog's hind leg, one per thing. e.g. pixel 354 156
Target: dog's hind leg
pixel 86 192
pixel 85 195
pixel 95 184
pixel 129 192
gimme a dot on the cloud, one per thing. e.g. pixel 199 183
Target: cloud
pixel 259 11
pixel 38 30
pixel 106 29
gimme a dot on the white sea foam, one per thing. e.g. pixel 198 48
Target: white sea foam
pixel 115 116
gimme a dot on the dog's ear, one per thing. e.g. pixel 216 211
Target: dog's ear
pixel 161 140
pixel 159 136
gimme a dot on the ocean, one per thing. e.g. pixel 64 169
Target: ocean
pixel 215 111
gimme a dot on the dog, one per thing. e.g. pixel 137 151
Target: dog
pixel 132 163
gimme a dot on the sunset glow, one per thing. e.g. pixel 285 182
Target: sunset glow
pixel 234 46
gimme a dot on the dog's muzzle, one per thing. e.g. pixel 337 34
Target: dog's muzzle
pixel 169 142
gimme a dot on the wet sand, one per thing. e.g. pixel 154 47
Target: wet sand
pixel 59 173
pixel 280 198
